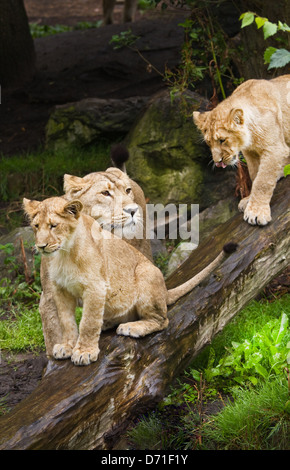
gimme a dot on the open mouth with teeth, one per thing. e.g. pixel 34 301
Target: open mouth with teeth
pixel 229 162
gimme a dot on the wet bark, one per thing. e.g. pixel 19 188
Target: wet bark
pixel 89 407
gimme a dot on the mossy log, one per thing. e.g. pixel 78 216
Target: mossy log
pixel 89 407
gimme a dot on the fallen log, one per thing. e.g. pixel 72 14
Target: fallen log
pixel 89 407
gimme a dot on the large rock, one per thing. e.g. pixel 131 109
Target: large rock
pixel 169 159
pixel 85 121
pixel 167 154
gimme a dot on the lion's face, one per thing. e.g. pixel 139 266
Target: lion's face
pixel 225 132
pixel 107 197
pixel 53 222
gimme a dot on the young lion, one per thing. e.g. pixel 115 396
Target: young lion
pixel 117 283
pixel 117 203
pixel 255 120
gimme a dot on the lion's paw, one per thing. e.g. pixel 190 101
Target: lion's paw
pixel 84 357
pixel 243 203
pixel 130 329
pixel 257 215
pixel 62 351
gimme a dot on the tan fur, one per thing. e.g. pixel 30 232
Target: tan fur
pixel 255 120
pixel 117 284
pixel 116 209
pixel 109 211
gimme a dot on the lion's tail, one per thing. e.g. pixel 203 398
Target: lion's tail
pixel 174 294
pixel 119 156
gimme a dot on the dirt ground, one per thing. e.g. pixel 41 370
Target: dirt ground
pixel 68 12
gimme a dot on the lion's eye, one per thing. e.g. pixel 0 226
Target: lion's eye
pixel 53 225
pixel 36 225
pixel 106 193
pixel 128 190
pixel 222 141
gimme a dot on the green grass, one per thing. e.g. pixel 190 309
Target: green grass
pixel 256 420
pixel 41 173
pixel 22 331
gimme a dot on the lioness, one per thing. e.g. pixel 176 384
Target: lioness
pixel 118 203
pixel 117 283
pixel 255 120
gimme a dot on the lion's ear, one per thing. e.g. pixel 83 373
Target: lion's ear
pixel 74 185
pixel 199 119
pixel 30 207
pixel 73 208
pixel 237 116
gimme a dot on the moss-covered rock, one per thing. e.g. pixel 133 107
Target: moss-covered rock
pixel 167 152
pixel 87 120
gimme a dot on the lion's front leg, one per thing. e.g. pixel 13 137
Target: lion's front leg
pixel 86 349
pixel 47 308
pixel 66 305
pixel 257 208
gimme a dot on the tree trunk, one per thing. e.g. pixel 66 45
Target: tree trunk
pixel 17 56
pixel 89 407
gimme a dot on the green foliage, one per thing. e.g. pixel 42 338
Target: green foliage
pixel 287 170
pixel 124 39
pixel 256 420
pixel 23 330
pixel 274 57
pixel 42 172
pixel 41 31
pixel 267 353
pixel 244 376
pixel 20 323
pixel 279 58
pixel 204 53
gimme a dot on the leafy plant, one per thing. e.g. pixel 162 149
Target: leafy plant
pixel 203 53
pixel 267 353
pixel 20 323
pixel 41 31
pixel 274 57
pixel 287 170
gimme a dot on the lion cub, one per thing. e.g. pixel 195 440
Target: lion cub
pixel 117 283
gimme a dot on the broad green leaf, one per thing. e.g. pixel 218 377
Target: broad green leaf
pixel 262 371
pixel 240 380
pixel 287 170
pixel 283 27
pixel 254 380
pixel 195 374
pixel 282 329
pixel 268 54
pixel 247 18
pixel 260 21
pixel 269 29
pixel 280 58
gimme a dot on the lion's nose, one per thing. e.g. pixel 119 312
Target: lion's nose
pixel 132 209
